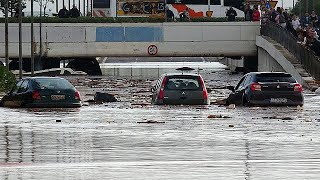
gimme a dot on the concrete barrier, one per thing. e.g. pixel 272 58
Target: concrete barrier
pixel 137 39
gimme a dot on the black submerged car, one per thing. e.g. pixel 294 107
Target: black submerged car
pixel 266 88
pixel 177 88
pixel 43 92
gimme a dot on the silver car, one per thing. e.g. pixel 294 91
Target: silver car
pixel 178 88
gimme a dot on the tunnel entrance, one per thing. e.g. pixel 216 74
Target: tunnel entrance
pixel 87 65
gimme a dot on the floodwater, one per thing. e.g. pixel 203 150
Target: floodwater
pixel 111 141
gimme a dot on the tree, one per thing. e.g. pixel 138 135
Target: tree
pixel 44 4
pixel 306 6
pixel 7 79
pixel 13 6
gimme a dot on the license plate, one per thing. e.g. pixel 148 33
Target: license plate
pixel 57 97
pixel 278 100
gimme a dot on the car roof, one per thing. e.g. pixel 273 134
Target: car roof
pixel 43 77
pixel 179 74
pixel 256 73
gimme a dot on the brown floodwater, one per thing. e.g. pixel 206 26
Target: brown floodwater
pixel 112 140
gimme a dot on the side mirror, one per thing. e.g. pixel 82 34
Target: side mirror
pixel 231 88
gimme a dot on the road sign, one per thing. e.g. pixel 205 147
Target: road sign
pixel 152 50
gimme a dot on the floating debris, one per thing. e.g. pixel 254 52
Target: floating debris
pixel 211 116
pixel 150 122
pixel 231 106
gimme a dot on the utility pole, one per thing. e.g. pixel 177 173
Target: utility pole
pixel 84 8
pixel 91 7
pixel 6 35
pixel 20 39
pixel 293 4
pixel 57 5
pixel 32 41
pixel 40 52
pixel 88 8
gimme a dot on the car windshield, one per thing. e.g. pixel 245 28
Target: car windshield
pixel 183 83
pixel 54 83
pixel 275 77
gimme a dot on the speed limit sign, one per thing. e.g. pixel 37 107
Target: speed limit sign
pixel 152 50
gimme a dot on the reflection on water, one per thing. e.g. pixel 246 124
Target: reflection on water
pixel 99 141
pixel 106 142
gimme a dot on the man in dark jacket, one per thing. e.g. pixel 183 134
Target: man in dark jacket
pixel 74 12
pixel 248 12
pixel 63 13
pixel 231 14
pixel 169 14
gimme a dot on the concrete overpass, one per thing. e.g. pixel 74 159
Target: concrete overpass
pixel 69 40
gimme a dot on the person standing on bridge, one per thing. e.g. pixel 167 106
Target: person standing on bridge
pixel 63 13
pixel 231 14
pixel 248 13
pixel 169 14
pixel 74 12
pixel 256 13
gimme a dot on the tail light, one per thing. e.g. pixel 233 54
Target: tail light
pixel 297 87
pixel 204 89
pixel 255 87
pixel 77 96
pixel 161 93
pixel 36 95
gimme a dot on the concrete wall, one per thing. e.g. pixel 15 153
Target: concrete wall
pixel 133 39
pixel 267 63
pixel 271 58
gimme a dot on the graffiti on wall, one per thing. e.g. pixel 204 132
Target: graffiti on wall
pixel 140 8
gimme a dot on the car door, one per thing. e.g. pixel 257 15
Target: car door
pixel 10 99
pixel 236 96
pixel 22 95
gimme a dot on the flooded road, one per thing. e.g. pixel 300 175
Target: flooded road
pixel 112 140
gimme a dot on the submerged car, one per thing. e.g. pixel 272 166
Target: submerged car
pixel 46 92
pixel 266 88
pixel 179 88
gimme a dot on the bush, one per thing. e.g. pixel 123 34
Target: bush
pixel 7 79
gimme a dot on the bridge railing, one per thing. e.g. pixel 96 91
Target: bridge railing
pixel 308 59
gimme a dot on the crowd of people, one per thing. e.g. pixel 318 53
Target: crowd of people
pixel 304 28
pixel 72 13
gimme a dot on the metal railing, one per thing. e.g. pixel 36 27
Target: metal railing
pixel 308 59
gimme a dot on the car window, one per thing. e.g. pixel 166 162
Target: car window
pixel 240 83
pixel 16 87
pixel 183 83
pixel 275 77
pixel 53 83
pixel 247 81
pixel 23 87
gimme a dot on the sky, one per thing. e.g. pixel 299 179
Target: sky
pixel 286 4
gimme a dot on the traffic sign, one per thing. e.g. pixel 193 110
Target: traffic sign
pixel 152 50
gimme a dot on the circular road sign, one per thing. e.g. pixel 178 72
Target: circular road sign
pixel 152 50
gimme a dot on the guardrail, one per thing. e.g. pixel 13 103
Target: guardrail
pixel 308 59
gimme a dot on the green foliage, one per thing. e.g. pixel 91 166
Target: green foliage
pixel 7 79
pixel 13 5
pixel 109 20
pixel 306 6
